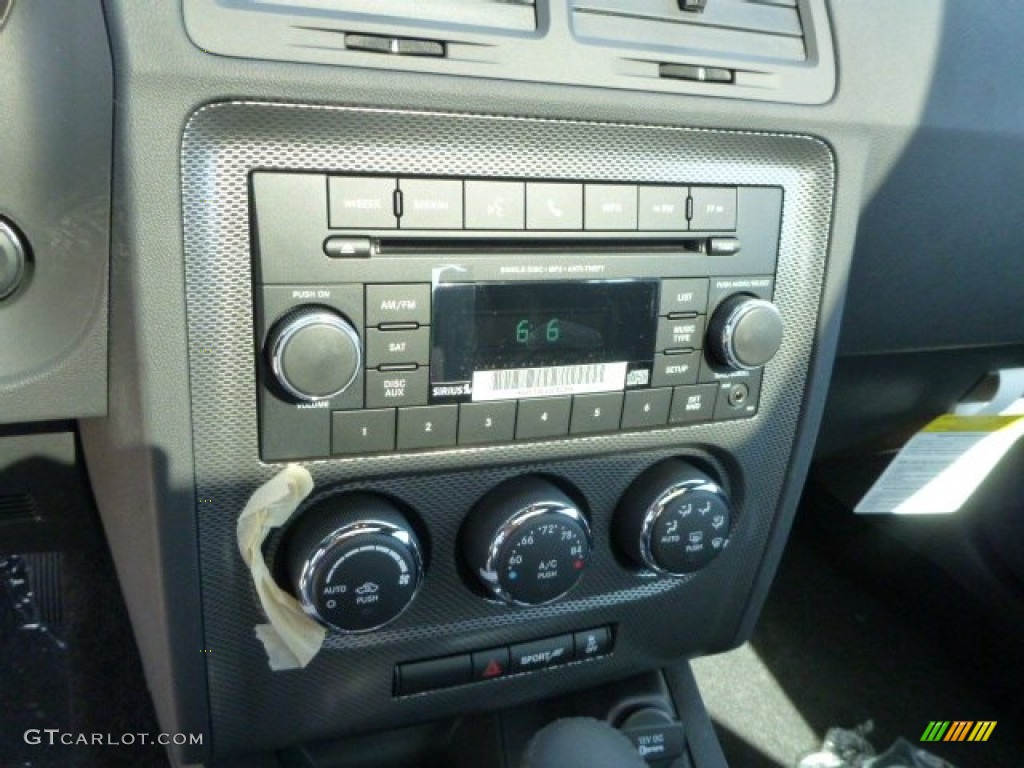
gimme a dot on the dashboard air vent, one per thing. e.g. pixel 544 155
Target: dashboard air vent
pixel 755 30
pixel 512 15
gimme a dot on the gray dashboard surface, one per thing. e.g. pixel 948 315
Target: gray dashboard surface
pixel 141 457
pixel 779 51
pixel 55 148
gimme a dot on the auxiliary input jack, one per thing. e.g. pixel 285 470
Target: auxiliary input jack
pixel 738 395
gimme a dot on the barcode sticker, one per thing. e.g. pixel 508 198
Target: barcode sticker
pixel 518 383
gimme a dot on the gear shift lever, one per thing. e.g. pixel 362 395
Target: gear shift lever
pixel 580 742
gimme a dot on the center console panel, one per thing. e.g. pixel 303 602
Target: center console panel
pixel 565 364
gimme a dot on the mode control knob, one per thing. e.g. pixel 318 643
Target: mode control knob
pixel 527 542
pixel 673 519
pixel 314 353
pixel 745 332
pixel 353 562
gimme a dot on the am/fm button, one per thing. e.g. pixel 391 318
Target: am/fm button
pixel 401 303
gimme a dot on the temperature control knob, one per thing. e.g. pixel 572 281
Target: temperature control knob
pixel 745 332
pixel 527 542
pixel 314 353
pixel 673 519
pixel 353 561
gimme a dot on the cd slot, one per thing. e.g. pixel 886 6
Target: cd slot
pixel 401 246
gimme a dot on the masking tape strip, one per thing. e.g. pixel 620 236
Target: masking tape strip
pixel 292 638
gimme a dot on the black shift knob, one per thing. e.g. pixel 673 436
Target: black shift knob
pixel 581 742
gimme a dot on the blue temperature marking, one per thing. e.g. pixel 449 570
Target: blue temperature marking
pixel 513 575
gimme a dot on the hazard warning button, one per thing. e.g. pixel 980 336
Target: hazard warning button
pixel 490 664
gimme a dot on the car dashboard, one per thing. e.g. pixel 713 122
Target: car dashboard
pixel 538 302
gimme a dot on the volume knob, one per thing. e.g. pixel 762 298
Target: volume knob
pixel 314 353
pixel 745 332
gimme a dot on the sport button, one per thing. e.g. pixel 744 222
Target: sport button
pixel 539 654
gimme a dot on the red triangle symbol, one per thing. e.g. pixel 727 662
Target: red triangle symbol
pixel 493 669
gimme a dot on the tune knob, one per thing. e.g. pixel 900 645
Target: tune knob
pixel 745 332
pixel 527 542
pixel 314 353
pixel 673 519
pixel 353 562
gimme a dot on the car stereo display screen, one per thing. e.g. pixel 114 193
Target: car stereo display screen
pixel 513 340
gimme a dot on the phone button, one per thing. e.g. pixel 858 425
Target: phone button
pixel 554 206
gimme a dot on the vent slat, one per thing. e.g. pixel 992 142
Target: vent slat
pixel 748 29
pixel 680 39
pixel 18 508
pixel 519 15
pixel 724 14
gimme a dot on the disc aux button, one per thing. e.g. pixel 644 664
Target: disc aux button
pixel 385 389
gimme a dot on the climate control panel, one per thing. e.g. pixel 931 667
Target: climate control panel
pixel 355 563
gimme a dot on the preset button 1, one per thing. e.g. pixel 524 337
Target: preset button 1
pixel 358 432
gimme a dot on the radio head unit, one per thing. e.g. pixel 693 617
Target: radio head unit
pixel 613 307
